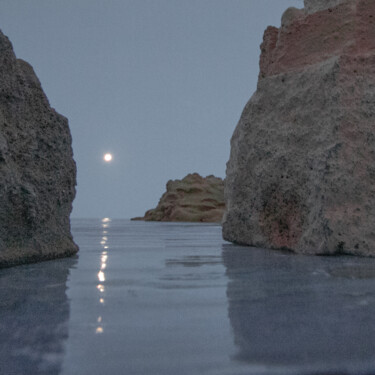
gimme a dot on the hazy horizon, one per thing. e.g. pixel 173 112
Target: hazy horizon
pixel 159 84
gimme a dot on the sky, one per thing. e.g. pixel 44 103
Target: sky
pixel 160 84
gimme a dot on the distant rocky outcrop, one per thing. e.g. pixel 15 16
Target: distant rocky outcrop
pixel 301 173
pixel 192 199
pixel 37 170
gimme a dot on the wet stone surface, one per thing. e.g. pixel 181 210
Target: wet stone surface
pixel 174 298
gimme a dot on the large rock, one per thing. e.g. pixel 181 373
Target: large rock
pixel 301 173
pixel 37 170
pixel 312 6
pixel 192 199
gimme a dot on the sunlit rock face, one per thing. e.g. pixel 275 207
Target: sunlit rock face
pixel 37 170
pixel 192 199
pixel 301 173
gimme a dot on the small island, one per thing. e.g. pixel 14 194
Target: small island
pixel 192 199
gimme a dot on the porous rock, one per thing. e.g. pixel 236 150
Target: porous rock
pixel 301 173
pixel 37 170
pixel 312 6
pixel 192 199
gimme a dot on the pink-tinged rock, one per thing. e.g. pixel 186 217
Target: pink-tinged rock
pixel 307 39
pixel 301 174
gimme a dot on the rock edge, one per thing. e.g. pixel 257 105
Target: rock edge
pixel 37 170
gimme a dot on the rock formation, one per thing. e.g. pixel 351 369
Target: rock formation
pixel 37 170
pixel 192 199
pixel 301 174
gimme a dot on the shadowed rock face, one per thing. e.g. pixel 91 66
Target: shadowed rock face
pixel 301 172
pixel 37 170
pixel 192 199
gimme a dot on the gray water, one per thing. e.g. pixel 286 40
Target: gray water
pixel 172 298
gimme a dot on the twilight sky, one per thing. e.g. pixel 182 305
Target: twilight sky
pixel 158 83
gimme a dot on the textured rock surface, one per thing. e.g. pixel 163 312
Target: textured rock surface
pixel 301 173
pixel 194 198
pixel 312 6
pixel 37 170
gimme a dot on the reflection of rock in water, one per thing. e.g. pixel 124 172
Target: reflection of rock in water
pixel 34 314
pixel 301 311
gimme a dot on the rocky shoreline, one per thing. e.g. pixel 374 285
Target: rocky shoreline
pixel 192 199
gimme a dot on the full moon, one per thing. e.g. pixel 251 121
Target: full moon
pixel 107 157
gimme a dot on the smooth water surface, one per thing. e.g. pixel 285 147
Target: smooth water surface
pixel 174 298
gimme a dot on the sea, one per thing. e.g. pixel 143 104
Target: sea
pixel 151 298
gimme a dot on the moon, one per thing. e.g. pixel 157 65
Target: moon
pixel 107 157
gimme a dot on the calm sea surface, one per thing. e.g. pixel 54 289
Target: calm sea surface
pixel 172 298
